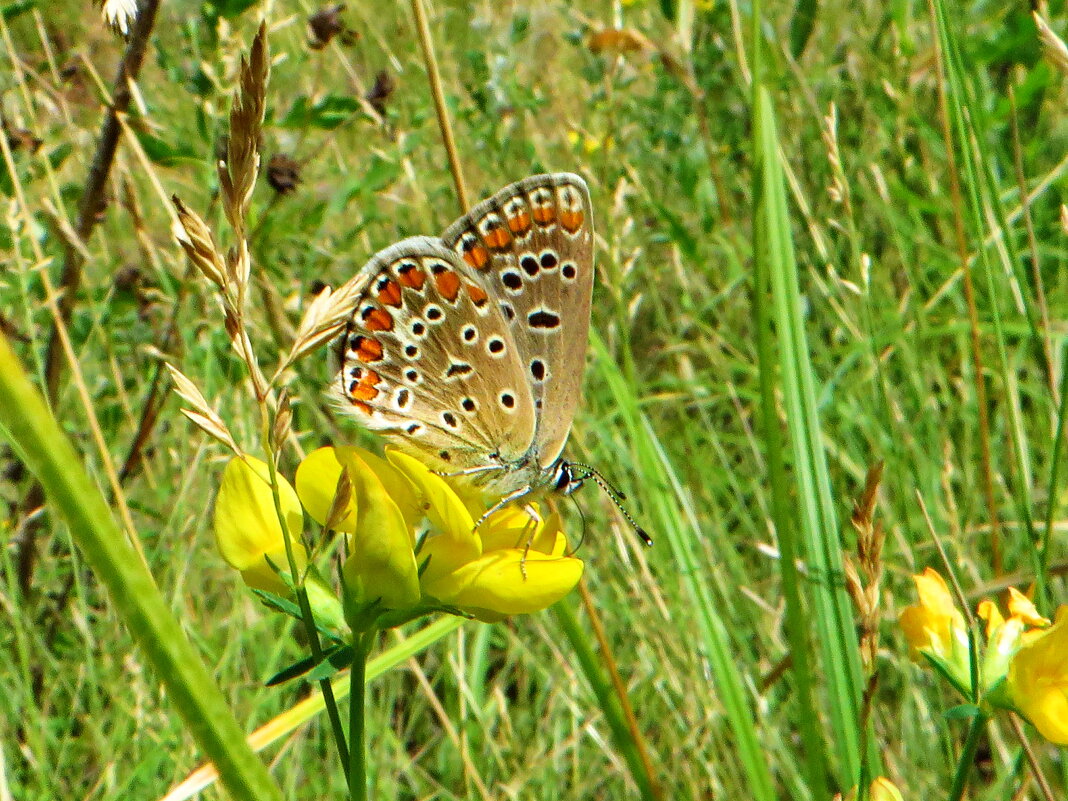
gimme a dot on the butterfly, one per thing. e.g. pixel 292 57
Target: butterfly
pixel 467 351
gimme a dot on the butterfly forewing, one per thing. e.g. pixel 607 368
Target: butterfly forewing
pixel 429 360
pixel 532 245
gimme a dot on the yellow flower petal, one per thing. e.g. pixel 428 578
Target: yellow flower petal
pixel 882 789
pixel 1022 607
pixel 934 592
pixel 1038 682
pixel 454 542
pixel 495 583
pixel 247 530
pixel 317 481
pixel 382 564
pixel 988 611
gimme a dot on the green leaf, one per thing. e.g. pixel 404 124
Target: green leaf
pixel 327 113
pixel 13 10
pixel 963 712
pixel 801 24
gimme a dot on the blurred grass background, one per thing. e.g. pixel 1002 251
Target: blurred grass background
pixel 659 118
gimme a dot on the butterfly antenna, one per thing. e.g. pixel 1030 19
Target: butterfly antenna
pixel 582 516
pixel 617 498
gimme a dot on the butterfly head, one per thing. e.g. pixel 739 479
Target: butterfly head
pixel 570 476
pixel 566 479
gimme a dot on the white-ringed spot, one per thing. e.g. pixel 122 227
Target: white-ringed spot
pixel 458 370
pixel 433 313
pixel 513 282
pixel 529 264
pixel 543 320
pixel 468 405
pixel 403 398
pixel 507 400
pixel 411 352
pixel 495 347
pixel 412 376
pixel 537 369
pixel 509 312
pixel 548 260
pixel 449 419
pixel 569 271
pixel 469 334
pixel 418 329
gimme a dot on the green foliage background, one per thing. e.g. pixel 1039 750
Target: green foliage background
pixel 665 137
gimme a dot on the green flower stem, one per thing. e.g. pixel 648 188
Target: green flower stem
pixel 36 437
pixel 306 614
pixel 357 705
pixel 967 756
pixel 621 733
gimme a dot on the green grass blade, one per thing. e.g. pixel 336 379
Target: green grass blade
pixel 675 522
pixel 807 513
pixel 33 432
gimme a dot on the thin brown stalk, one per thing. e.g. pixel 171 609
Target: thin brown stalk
pixel 92 201
pixel 969 298
pixel 36 496
pixel 620 688
pixel 1032 760
pixel 1032 246
pixel 427 44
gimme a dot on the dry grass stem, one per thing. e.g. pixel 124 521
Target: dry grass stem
pixel 323 321
pixel 202 415
pixel 1053 46
pixel 237 175
pixel 195 238
pixel 864 572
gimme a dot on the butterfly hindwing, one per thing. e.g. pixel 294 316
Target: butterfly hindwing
pixel 429 360
pixel 532 244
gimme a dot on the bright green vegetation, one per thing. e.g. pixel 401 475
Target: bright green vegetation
pixel 868 356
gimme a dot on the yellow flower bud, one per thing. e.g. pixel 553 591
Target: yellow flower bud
pixel 247 529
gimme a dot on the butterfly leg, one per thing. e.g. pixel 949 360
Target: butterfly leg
pixel 532 525
pixel 507 500
pixel 469 471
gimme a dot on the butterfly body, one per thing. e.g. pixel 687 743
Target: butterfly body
pixel 467 351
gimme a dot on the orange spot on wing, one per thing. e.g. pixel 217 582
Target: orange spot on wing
pixel 571 220
pixel 412 277
pixel 498 238
pixel 365 392
pixel 390 294
pixel 519 223
pixel 477 295
pixel 368 350
pixel 544 215
pixel 378 320
pixel 363 407
pixel 448 284
pixel 473 252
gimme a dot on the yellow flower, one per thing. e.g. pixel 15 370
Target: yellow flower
pixel 381 568
pixel 1038 680
pixel 934 625
pixel 247 529
pixel 512 564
